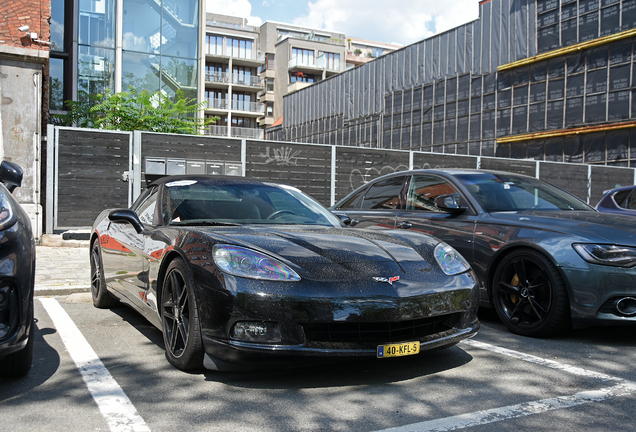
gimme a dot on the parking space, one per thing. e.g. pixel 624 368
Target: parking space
pixel 496 381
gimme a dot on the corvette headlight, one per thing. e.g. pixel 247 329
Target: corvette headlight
pixel 604 254
pixel 247 263
pixel 450 260
pixel 7 213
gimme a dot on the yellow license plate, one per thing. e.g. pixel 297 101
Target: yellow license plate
pixel 398 350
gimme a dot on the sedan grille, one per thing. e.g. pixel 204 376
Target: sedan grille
pixel 379 332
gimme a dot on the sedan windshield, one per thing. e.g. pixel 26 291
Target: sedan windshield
pixel 224 202
pixel 509 192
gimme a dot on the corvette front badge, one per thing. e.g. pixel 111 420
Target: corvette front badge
pixel 389 280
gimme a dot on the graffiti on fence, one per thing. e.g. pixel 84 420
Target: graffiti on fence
pixel 281 156
pixel 358 178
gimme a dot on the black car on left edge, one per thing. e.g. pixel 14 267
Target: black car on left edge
pixel 17 278
pixel 244 273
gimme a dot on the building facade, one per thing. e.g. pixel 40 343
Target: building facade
pixel 24 56
pixel 547 80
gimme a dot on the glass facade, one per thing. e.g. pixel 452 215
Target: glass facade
pixel 159 45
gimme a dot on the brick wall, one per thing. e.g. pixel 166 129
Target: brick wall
pixel 16 13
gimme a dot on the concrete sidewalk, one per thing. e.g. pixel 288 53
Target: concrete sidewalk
pixel 62 270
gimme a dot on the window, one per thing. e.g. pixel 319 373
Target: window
pixel 239 48
pixel 244 122
pixel 242 75
pixel 384 195
pixel 331 60
pixel 214 45
pixel 302 77
pixel 241 101
pixel 425 189
pixel 302 57
pixel 146 210
pixel 270 109
pixel 270 84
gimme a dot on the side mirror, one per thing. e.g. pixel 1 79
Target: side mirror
pixel 126 215
pixel 345 219
pixel 449 204
pixel 10 175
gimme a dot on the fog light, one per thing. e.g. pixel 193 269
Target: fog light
pixel 256 331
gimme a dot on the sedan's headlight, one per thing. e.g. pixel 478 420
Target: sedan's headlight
pixel 247 263
pixel 450 260
pixel 604 254
pixel 7 213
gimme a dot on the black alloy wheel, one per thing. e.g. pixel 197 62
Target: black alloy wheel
pixel 529 294
pixel 180 317
pixel 101 297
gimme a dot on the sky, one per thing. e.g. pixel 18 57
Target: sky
pixel 404 22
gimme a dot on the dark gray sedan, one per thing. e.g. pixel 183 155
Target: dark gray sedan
pixel 544 259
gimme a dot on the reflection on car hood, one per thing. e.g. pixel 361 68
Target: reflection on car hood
pixel 593 226
pixel 330 245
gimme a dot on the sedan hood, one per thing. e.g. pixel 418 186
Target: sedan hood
pixel 589 225
pixel 329 245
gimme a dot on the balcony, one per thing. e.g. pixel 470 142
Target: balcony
pixel 237 132
pixel 253 107
pixel 217 77
pixel 217 104
pixel 297 86
pixel 247 80
pixel 234 26
pixel 301 63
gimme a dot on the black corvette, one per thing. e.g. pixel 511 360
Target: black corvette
pixel 242 272
pixel 544 259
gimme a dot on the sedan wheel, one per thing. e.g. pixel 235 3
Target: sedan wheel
pixel 529 294
pixel 101 298
pixel 181 327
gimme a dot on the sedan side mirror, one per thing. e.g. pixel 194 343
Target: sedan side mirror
pixel 449 204
pixel 10 175
pixel 127 215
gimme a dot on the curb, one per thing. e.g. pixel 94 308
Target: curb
pixel 60 290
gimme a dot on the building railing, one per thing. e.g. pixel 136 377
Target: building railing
pixel 295 61
pixel 248 80
pixel 255 107
pixel 240 53
pixel 234 26
pixel 217 103
pixel 220 77
pixel 241 132
pixel 238 132
pixel 322 63
pixel 215 130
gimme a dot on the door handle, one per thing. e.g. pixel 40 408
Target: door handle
pixel 405 225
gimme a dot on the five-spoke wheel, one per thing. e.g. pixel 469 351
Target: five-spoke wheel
pixel 529 294
pixel 101 298
pixel 181 327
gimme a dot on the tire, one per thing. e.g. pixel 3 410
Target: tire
pixel 180 318
pixel 18 364
pixel 529 294
pixel 101 297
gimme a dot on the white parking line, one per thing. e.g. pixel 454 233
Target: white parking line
pixel 113 403
pixel 623 388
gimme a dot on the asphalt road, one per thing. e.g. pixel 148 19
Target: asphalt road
pixel 581 381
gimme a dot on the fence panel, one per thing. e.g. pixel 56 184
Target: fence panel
pixel 90 167
pixel 604 178
pixel 305 166
pixel 441 161
pixel 572 178
pixel 356 166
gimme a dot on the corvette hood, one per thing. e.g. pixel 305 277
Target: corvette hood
pixel 589 225
pixel 330 245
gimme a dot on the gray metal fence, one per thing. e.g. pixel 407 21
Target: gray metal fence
pixel 90 170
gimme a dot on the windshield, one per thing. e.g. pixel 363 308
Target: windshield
pixel 224 202
pixel 509 192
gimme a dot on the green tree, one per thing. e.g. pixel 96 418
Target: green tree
pixel 129 111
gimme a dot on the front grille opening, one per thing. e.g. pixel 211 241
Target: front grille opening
pixel 379 332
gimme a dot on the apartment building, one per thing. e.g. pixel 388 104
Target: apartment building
pixel 361 51
pixel 296 57
pixel 230 73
